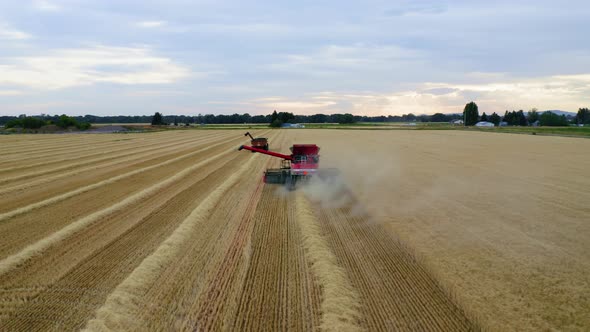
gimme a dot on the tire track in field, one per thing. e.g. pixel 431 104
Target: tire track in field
pixel 35 249
pixel 396 291
pixel 138 155
pixel 77 282
pixel 340 305
pixel 61 197
pixel 103 150
pixel 123 307
pixel 279 292
pixel 66 167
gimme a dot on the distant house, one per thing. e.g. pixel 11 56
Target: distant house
pixel 457 122
pixel 484 124
pixel 536 123
pixel 503 124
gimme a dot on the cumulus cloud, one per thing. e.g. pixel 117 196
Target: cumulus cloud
pixel 65 68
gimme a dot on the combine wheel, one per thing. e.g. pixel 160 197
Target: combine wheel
pixel 290 183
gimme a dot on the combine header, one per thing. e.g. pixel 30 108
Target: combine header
pixel 301 165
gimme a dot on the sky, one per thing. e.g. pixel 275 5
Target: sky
pixel 390 57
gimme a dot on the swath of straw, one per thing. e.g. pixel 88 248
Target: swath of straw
pixel 339 305
pixel 39 247
pixel 122 307
pixel 59 198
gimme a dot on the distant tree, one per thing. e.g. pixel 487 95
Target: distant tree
pixel 495 119
pixel 157 119
pixel 83 125
pixel 583 116
pixel 274 116
pixel 65 121
pixel 506 117
pixel 30 122
pixel 512 118
pixel 439 117
pixel 552 119
pixel 12 123
pixel 286 117
pixel 210 118
pixel 484 117
pixel 471 114
pixel 277 119
pixel 347 118
pixel 408 117
pixel 276 123
pixel 175 121
pixel 521 118
pixel 532 116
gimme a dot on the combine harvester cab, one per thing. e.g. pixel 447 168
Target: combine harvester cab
pixel 300 166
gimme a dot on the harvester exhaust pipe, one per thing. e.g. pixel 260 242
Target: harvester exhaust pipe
pixel 248 134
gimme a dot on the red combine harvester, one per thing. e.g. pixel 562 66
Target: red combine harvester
pixel 301 165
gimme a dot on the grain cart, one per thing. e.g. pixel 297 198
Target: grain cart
pixel 301 165
pixel 258 142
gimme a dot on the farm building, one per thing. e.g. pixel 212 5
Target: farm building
pixel 484 124
pixel 292 125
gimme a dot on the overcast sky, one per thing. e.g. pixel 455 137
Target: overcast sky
pixel 363 57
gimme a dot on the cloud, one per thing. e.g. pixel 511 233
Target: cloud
pixel 10 92
pixel 9 33
pixel 351 56
pixel 150 24
pixel 565 92
pixel 66 68
pixel 416 7
pixel 44 5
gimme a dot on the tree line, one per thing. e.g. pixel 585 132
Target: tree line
pixel 519 118
pixel 284 117
pixel 36 122
pixel 470 115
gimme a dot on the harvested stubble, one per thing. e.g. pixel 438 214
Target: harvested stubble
pixel 189 238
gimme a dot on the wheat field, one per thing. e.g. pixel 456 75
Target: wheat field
pixel 175 230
